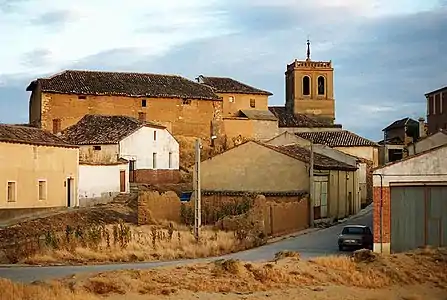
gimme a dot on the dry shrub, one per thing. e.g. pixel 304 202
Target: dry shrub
pixel 52 291
pixel 286 254
pixel 126 243
pixel 104 286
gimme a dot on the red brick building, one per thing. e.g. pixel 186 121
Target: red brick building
pixel 437 110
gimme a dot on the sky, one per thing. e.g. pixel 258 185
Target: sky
pixel 386 53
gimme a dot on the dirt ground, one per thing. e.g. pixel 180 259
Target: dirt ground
pixel 417 275
pixel 417 292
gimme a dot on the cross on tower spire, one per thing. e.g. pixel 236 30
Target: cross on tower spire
pixel 308 49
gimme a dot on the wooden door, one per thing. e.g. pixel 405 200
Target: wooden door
pixel 122 181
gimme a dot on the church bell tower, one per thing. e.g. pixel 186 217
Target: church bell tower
pixel 310 88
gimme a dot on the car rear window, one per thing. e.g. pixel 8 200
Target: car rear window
pixel 353 230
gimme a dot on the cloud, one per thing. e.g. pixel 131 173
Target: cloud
pixel 54 19
pixel 37 57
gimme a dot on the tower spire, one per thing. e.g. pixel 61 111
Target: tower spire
pixel 308 49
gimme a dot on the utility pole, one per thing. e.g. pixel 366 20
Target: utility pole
pixel 311 186
pixel 197 193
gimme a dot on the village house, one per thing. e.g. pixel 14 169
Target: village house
pixel 183 106
pixel 116 150
pixel 436 110
pixel 287 138
pixel 410 208
pixel 428 142
pixel 397 136
pixel 38 171
pixel 245 109
pixel 266 169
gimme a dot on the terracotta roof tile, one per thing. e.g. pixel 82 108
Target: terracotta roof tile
pixel 101 129
pixel 286 119
pixel 321 162
pixel 341 138
pixel 30 135
pixel 229 85
pixel 124 84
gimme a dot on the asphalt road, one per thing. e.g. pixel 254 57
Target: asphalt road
pixel 318 243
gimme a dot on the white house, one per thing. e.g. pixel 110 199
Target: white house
pixel 116 150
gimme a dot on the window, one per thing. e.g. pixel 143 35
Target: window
pixel 438 103
pixel 306 85
pixel 321 85
pixel 42 189
pixel 96 148
pixel 252 103
pixel 142 116
pixel 57 125
pixel 155 135
pixel 154 160
pixel 12 191
pixel 434 105
pixel 143 103
pixel 82 97
pixel 170 160
pixel 231 99
pixel 186 102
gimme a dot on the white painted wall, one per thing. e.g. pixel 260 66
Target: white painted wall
pixel 428 167
pixel 141 145
pixel 101 181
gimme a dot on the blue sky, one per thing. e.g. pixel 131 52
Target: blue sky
pixel 386 54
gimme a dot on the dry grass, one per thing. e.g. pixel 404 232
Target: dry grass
pixel 145 243
pixel 422 267
pixel 419 267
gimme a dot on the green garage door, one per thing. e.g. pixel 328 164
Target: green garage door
pixel 418 217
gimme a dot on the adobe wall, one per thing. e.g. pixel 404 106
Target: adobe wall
pixel 157 176
pixel 154 206
pixel 193 119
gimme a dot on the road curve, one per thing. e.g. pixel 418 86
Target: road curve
pixel 318 243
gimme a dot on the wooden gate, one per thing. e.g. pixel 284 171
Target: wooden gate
pixel 320 197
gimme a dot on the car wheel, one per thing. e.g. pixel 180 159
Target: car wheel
pixel 340 248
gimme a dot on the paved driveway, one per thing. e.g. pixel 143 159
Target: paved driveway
pixel 318 243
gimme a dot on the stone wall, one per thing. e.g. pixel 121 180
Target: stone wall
pixel 182 118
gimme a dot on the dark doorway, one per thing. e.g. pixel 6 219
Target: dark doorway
pixel 132 171
pixel 69 191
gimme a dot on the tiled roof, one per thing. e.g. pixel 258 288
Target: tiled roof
pixel 255 114
pixel 401 123
pixel 100 129
pixel 342 138
pixel 321 162
pixel 229 85
pixel 286 119
pixel 124 84
pixel 30 135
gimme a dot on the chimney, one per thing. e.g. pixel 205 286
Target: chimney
pixel 421 127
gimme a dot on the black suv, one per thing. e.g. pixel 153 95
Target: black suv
pixel 355 236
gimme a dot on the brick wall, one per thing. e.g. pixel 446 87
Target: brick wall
pixel 157 176
pixel 386 210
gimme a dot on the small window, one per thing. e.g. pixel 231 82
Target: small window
pixel 57 125
pixel 252 103
pixel 42 190
pixel 143 103
pixel 231 99
pixel 154 160
pixel 155 135
pixel 12 191
pixel 321 86
pixel 186 102
pixel 82 97
pixel 142 116
pixel 306 85
pixel 170 160
pixel 96 148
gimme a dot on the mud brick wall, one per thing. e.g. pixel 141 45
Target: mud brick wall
pixel 157 176
pixel 386 214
